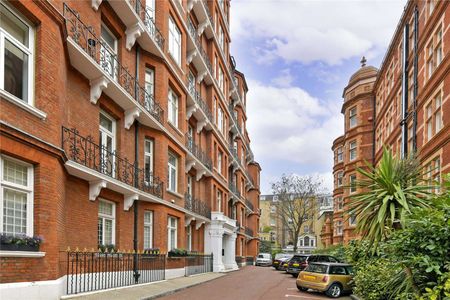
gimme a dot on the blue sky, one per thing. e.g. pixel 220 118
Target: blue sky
pixel 297 57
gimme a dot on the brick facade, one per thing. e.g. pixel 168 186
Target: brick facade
pixel 377 96
pixel 67 94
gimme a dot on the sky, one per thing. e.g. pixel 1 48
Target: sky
pixel 297 57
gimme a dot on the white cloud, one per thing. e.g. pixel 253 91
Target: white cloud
pixel 285 78
pixel 286 123
pixel 308 31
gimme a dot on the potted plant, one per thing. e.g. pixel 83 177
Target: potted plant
pixel 109 248
pixel 177 253
pixel 10 242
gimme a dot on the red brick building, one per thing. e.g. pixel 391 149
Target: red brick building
pixel 403 105
pixel 115 109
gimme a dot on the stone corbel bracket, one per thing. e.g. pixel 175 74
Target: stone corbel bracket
pixel 95 187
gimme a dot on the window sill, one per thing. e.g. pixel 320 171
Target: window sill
pixel 27 254
pixel 25 106
pixel 175 128
pixel 175 194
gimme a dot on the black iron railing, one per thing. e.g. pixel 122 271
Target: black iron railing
pixel 234 189
pixel 149 22
pixel 197 206
pixel 233 152
pixel 198 263
pixel 92 271
pixel 249 231
pixel 193 33
pixel 199 100
pixel 198 152
pixel 238 224
pixel 85 37
pixel 84 151
pixel 249 204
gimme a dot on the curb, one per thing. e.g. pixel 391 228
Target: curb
pixel 354 297
pixel 178 289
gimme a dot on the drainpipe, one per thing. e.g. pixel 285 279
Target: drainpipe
pixel 416 85
pixel 403 122
pixel 374 126
pixel 136 176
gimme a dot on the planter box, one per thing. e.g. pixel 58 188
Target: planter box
pixel 15 247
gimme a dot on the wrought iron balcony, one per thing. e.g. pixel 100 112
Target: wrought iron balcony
pixel 202 52
pixel 198 152
pixel 197 206
pixel 199 100
pixel 211 20
pixel 149 23
pixel 249 231
pixel 233 152
pixel 96 61
pixel 234 190
pixel 249 204
pixel 84 151
pixel 238 225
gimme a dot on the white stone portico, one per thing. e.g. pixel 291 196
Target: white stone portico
pixel 220 240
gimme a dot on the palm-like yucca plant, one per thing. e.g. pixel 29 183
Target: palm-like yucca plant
pixel 389 191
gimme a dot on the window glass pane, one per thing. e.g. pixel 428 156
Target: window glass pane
pixel 106 123
pixel 105 208
pixel 14 212
pixel 11 24
pixel 16 71
pixel 109 39
pixel 15 173
pixel 108 231
pixel 100 231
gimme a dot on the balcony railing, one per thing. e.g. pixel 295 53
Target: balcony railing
pixel 84 36
pixel 249 204
pixel 197 206
pixel 198 152
pixel 193 33
pixel 84 151
pixel 199 100
pixel 249 231
pixel 234 189
pixel 149 22
pixel 233 152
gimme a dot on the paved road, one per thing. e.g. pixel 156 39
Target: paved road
pixel 250 283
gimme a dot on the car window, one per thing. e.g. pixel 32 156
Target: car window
pixel 350 270
pixel 338 270
pixel 322 258
pixel 332 259
pixel 322 269
pixel 312 259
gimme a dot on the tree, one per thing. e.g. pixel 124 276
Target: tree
pixel 296 203
pixel 389 192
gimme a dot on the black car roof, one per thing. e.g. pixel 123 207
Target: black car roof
pixel 331 264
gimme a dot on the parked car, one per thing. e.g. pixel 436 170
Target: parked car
pixel 300 261
pixel 332 278
pixel 264 259
pixel 284 263
pixel 278 257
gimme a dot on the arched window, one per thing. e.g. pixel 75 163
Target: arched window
pixel 306 239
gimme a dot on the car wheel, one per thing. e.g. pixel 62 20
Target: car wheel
pixel 294 275
pixel 302 289
pixel 334 291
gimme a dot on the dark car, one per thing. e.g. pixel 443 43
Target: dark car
pixel 300 261
pixel 279 258
pixel 284 263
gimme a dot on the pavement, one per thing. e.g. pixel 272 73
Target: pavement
pixel 148 291
pixel 250 283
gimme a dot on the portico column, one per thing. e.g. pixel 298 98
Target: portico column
pixel 230 251
pixel 213 244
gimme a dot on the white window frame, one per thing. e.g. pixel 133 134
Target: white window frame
pixel 148 241
pixel 340 154
pixel 219 201
pixel 113 50
pixel 352 220
pixel 28 189
pixel 189 237
pixel 220 119
pixel 352 119
pixel 171 229
pixel 172 168
pixel 173 108
pixel 219 161
pixel 174 41
pixel 340 179
pixel 27 50
pixel 150 87
pixel 351 181
pixel 109 217
pixel 150 5
pixel 351 149
pixel 105 132
pixel 148 156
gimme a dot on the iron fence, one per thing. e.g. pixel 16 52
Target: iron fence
pixel 84 151
pixel 249 231
pixel 147 18
pixel 198 263
pixel 84 36
pixel 197 206
pixel 92 271
pixel 249 204
pixel 193 34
